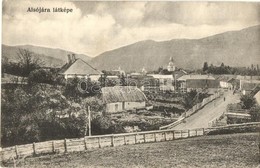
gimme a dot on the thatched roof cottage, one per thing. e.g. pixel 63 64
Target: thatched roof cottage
pixel 120 98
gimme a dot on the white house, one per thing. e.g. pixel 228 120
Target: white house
pixel 120 98
pixel 80 69
pixel 257 97
pixel 224 81
pixel 166 82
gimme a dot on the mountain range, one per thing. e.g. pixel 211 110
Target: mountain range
pixel 234 48
pixel 52 57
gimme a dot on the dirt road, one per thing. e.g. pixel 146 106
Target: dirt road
pixel 212 110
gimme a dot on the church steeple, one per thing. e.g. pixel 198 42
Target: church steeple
pixel 171 66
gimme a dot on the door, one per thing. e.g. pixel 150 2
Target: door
pixel 116 107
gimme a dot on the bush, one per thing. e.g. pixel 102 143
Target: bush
pixel 40 76
pixel 255 114
pixel 247 101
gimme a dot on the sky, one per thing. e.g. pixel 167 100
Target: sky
pixel 95 27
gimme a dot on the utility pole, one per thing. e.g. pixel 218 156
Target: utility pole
pixel 175 85
pixel 89 121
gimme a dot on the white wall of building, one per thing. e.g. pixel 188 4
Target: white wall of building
pixel 257 97
pixel 114 107
pixel 120 106
pixel 132 105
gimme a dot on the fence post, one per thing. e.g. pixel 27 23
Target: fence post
pixel 34 152
pixel 16 151
pixel 144 139
pixel 112 140
pixel 53 147
pixel 65 146
pixel 181 133
pixel 135 139
pixel 99 145
pixel 173 135
pixel 124 140
pixel 154 137
pixel 165 138
pixel 203 131
pixel 85 143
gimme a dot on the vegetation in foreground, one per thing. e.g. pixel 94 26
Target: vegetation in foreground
pixel 233 150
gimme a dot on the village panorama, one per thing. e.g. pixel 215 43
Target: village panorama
pixel 184 102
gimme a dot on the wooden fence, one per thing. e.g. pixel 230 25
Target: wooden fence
pixel 101 141
pixel 92 142
pixel 193 110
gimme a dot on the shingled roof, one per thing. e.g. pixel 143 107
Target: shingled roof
pixel 122 94
pixel 80 67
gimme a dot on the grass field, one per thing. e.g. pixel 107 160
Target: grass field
pixel 233 150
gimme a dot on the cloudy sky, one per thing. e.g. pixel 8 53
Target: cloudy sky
pixel 95 27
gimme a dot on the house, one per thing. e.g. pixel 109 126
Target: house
pixel 145 83
pixel 256 94
pixel 117 72
pixel 166 82
pixel 225 81
pixel 247 86
pixel 257 97
pixel 179 73
pixel 120 98
pixel 80 69
pixel 197 82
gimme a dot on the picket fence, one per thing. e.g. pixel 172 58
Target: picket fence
pixel 193 110
pixel 111 140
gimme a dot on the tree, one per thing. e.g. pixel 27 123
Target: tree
pixel 205 67
pixel 247 101
pixel 28 62
pixel 189 99
pixel 165 72
pixel 123 80
pixel 159 70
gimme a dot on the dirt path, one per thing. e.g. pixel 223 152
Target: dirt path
pixel 212 110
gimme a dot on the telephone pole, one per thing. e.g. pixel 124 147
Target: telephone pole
pixel 89 121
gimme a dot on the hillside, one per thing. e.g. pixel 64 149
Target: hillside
pixel 234 150
pixel 235 48
pixel 52 57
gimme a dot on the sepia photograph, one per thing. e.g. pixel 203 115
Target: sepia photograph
pixel 130 84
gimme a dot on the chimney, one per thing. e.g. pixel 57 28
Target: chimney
pixel 69 59
pixel 73 57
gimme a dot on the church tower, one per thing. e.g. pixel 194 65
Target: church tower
pixel 171 66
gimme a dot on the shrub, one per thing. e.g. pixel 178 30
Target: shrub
pixel 247 101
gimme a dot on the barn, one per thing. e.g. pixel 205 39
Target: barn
pixel 120 98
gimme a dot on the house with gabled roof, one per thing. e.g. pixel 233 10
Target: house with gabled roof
pixel 121 98
pixel 197 82
pixel 225 81
pixel 80 69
